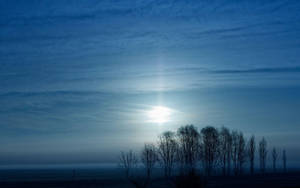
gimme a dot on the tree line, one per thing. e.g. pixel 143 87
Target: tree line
pixel 208 151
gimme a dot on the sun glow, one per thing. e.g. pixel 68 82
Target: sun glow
pixel 159 114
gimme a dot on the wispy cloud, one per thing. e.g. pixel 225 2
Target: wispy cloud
pixel 260 70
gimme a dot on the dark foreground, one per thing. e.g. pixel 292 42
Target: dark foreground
pixel 287 180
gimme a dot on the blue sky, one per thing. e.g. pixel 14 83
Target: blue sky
pixel 78 77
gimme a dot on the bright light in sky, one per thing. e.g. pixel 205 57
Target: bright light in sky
pixel 159 114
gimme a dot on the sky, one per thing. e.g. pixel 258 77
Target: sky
pixel 79 78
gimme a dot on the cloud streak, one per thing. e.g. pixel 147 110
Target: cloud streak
pixel 260 70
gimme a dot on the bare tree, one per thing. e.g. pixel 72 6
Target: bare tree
pixel 235 148
pixel 274 158
pixel 241 152
pixel 263 154
pixel 251 153
pixel 188 152
pixel 222 149
pixel 225 150
pixel 210 138
pixel 229 153
pixel 167 148
pixel 128 161
pixel 284 160
pixel 149 158
pixel 180 159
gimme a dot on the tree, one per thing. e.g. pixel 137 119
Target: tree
pixel 210 138
pixel 251 153
pixel 229 153
pixel 188 150
pixel 235 148
pixel 149 158
pixel 274 157
pixel 284 160
pixel 167 148
pixel 241 152
pixel 263 154
pixel 128 161
pixel 225 150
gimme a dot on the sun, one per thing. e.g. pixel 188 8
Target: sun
pixel 159 114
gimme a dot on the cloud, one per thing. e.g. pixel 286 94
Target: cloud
pixel 259 70
pixel 56 112
pixel 198 70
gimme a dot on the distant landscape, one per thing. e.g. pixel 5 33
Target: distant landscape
pixel 210 157
pixel 113 178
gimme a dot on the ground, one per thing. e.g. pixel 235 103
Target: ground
pixel 279 180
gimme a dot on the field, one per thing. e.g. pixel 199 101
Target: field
pixel 113 177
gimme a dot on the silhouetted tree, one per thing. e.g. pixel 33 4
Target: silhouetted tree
pixel 284 160
pixel 188 150
pixel 149 158
pixel 241 152
pixel 167 148
pixel 251 153
pixel 188 147
pixel 225 150
pixel 180 159
pixel 210 138
pixel 235 149
pixel 263 154
pixel 128 161
pixel 274 157
pixel 229 153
